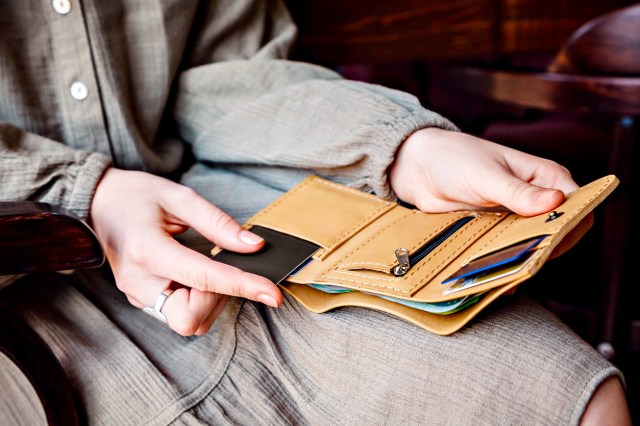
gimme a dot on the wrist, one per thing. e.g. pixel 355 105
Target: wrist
pixel 404 171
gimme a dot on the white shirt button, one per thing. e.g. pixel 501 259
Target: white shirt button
pixel 62 6
pixel 79 90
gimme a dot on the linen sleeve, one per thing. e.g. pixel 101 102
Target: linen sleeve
pixel 241 104
pixel 35 168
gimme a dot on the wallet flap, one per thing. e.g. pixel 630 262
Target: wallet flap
pixel 322 212
pixel 515 229
pixel 519 228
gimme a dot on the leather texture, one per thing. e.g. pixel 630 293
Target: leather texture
pixel 358 234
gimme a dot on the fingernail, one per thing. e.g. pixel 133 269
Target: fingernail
pixel 268 300
pixel 250 238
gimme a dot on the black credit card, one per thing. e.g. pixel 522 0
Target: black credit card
pixel 281 255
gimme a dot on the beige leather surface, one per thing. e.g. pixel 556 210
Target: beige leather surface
pixel 322 212
pixel 391 238
pixel 360 233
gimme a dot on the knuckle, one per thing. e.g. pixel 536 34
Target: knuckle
pixel 136 251
pixel 230 284
pixel 124 284
pixel 221 220
pixel 201 280
pixel 550 166
pixel 186 324
pixel 185 329
pixel 237 289
pixel 184 194
pixel 516 188
pixel 133 301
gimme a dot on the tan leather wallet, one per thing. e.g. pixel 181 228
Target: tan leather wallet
pixel 378 254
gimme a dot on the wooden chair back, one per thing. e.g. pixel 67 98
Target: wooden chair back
pixel 607 45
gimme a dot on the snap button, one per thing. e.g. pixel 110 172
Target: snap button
pixel 62 6
pixel 553 216
pixel 79 91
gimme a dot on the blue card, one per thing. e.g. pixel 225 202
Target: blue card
pixel 495 260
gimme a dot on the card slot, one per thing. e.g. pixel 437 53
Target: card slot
pixel 497 258
pixel 514 230
pixel 434 290
pixel 514 273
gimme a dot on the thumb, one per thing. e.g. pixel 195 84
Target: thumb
pixel 526 199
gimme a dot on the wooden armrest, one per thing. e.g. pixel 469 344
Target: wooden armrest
pixel 38 237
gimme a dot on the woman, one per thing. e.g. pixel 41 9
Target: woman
pixel 105 97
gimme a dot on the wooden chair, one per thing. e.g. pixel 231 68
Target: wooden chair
pixel 597 71
pixel 37 237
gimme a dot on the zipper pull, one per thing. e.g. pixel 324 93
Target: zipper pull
pixel 403 262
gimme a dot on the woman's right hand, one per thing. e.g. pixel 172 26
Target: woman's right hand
pixel 136 216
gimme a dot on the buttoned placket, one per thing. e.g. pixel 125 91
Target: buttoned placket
pixel 84 127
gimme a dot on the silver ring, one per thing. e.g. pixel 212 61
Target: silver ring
pixel 156 310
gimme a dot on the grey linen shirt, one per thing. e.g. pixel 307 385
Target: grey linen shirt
pixel 86 83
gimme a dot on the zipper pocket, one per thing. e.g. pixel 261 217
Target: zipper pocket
pixel 406 260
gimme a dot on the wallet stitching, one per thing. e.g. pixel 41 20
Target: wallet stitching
pixel 411 250
pixel 365 263
pixel 360 274
pixel 436 269
pixel 357 249
pixel 377 234
pixel 381 231
pixel 355 227
pixel 560 224
pixel 414 271
pixel 513 220
pixel 578 210
pixel 368 283
pixel 384 205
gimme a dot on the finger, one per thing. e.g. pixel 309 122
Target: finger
pixel 521 197
pixel 176 262
pixel 186 309
pixel 215 313
pixel 139 286
pixel 211 222
pixel 539 171
pixel 135 302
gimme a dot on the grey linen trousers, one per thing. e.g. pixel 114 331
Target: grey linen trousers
pixel 516 364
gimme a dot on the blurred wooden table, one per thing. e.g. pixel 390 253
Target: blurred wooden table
pixel 339 31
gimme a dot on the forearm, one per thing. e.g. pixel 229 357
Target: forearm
pixel 291 114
